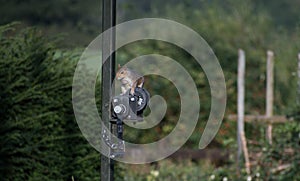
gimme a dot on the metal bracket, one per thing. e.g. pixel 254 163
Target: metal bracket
pixel 117 148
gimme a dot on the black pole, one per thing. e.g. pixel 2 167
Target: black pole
pixel 108 73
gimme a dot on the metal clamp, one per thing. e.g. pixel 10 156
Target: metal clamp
pixel 117 148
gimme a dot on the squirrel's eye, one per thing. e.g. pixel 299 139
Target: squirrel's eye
pixel 121 72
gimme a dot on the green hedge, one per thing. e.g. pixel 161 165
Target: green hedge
pixel 40 139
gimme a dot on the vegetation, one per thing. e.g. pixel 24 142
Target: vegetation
pixel 40 139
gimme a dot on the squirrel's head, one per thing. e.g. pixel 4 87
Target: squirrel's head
pixel 122 72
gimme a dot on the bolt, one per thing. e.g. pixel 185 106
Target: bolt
pixel 140 101
pixel 132 99
pixel 118 109
pixel 114 146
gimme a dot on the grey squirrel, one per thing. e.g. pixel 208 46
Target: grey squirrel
pixel 129 79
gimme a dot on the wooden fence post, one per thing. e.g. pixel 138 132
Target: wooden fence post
pixel 241 99
pixel 245 150
pixel 242 142
pixel 270 92
pixel 298 98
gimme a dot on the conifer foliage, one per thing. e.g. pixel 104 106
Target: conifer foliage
pixel 40 139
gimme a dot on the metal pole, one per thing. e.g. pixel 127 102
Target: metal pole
pixel 108 73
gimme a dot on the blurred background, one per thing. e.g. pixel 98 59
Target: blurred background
pixel 41 42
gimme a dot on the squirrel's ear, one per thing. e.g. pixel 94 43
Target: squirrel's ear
pixel 119 66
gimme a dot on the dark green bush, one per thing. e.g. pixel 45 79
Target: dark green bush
pixel 40 139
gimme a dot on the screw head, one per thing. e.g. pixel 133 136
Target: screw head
pixel 118 109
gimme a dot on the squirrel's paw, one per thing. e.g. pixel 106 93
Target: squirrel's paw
pixel 132 92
